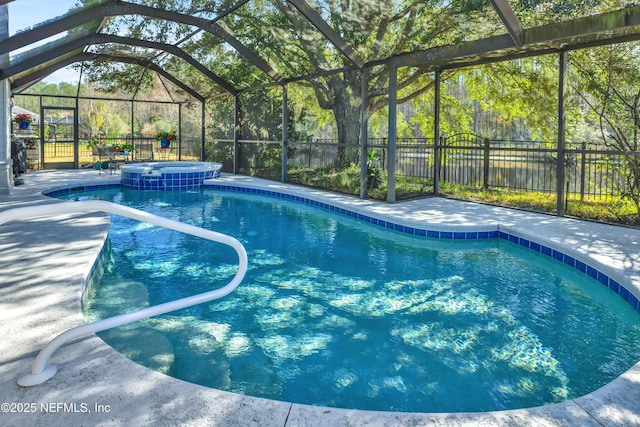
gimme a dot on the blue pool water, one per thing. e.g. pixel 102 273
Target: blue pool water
pixel 337 312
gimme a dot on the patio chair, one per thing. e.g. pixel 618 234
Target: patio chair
pixel 106 155
pixel 143 153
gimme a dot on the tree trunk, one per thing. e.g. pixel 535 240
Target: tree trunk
pixel 347 104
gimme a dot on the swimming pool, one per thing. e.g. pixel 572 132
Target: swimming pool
pixel 225 350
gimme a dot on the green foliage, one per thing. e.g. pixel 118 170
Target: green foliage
pixel 64 89
pixel 513 99
pixel 262 118
pixel 519 90
pixel 374 173
pixel 292 46
pixel 607 81
pixel 413 187
pixel 220 117
pixel 118 78
pixel 107 118
pixel 308 119
pixel 216 151
pixel 615 210
pixel 343 180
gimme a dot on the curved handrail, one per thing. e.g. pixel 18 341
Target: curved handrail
pixel 40 371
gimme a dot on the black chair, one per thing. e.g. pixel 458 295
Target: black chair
pixel 143 153
pixel 106 155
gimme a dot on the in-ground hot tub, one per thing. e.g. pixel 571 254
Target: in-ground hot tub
pixel 168 175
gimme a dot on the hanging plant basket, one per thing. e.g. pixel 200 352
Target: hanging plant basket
pixel 24 125
pixel 165 142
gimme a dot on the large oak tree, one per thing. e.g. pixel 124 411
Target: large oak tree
pixel 281 36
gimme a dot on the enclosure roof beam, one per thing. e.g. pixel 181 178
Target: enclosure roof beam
pixel 600 29
pixel 176 51
pixel 232 9
pixel 23 82
pixel 117 8
pixel 151 66
pixel 596 30
pixel 509 19
pixel 327 31
pixel 27 80
pixel 207 25
pixel 54 52
pixel 597 26
pixel 56 26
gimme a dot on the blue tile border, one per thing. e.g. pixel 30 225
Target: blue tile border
pixel 457 235
pixel 537 247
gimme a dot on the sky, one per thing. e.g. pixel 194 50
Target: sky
pixel 26 13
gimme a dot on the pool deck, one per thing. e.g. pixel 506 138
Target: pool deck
pixel 44 266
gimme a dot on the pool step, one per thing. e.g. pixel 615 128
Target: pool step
pixel 140 344
pixel 118 296
pixel 143 345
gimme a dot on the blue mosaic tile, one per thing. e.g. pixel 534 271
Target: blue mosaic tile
pixel 524 242
pixel 471 235
pixel 624 293
pixel 446 235
pixel 557 255
pixel 435 234
pixel 592 272
pixel 603 278
pixel 614 286
pixel 569 260
pixel 545 250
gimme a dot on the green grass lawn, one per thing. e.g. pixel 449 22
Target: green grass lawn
pixel 615 210
pixel 612 210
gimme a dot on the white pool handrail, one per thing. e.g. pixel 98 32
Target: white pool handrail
pixel 40 371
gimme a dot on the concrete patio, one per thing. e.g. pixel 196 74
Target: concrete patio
pixel 44 265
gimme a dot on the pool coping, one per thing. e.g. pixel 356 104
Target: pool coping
pixel 154 398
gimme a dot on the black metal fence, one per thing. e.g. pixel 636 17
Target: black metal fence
pixel 322 154
pixel 590 170
pixel 145 147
